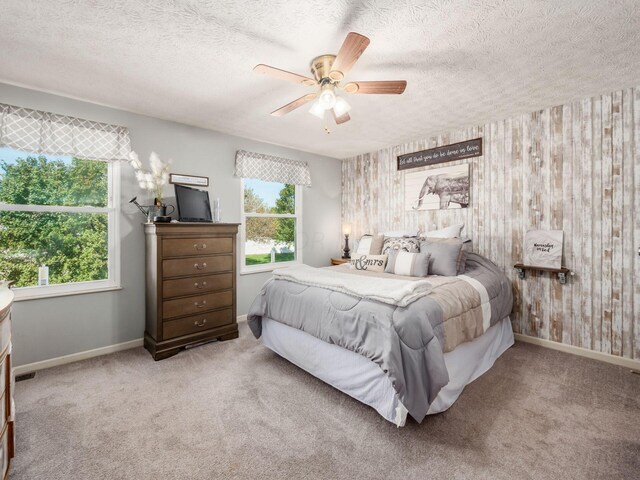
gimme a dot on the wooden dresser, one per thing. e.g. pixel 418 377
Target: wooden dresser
pixel 7 383
pixel 191 285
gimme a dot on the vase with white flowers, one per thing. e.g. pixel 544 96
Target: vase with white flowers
pixel 153 181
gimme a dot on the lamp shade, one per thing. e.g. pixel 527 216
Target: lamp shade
pixel 317 110
pixel 341 107
pixel 346 228
pixel 327 97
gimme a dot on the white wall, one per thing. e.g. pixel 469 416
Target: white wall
pixel 53 327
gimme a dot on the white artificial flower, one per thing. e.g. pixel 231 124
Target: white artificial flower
pixel 155 163
pixel 135 161
pixel 154 179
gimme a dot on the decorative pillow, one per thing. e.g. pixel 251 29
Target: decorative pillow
pixel 370 244
pixel 447 257
pixel 462 257
pixel 448 232
pixel 409 264
pixel 404 244
pixel 370 263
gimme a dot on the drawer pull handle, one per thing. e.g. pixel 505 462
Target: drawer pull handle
pixel 200 305
pixel 195 322
pixel 199 247
pixel 200 267
pixel 197 285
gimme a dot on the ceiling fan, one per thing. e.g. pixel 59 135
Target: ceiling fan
pixel 328 71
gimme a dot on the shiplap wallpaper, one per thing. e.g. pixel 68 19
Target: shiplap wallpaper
pixel 574 167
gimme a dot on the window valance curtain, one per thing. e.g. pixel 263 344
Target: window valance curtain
pixel 49 133
pixel 272 169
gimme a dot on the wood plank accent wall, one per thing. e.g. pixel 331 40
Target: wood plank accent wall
pixel 573 167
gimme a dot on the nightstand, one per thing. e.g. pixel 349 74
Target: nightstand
pixel 339 261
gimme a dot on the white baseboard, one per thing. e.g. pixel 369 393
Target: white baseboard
pixel 118 347
pixel 76 357
pixel 583 352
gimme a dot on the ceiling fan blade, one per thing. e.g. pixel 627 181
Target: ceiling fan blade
pixel 383 86
pixel 341 119
pixel 298 102
pixel 349 53
pixel 284 75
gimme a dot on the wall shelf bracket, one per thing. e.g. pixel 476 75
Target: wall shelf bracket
pixel 561 272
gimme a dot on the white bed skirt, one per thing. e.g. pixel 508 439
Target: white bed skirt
pixel 362 379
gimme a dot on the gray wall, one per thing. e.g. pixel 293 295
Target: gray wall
pixel 49 328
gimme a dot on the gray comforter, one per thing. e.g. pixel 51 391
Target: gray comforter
pixel 408 343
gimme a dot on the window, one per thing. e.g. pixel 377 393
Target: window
pixel 271 225
pixel 58 223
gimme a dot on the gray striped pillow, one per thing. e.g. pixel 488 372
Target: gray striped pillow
pixel 408 264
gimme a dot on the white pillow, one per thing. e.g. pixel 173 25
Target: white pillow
pixel 364 245
pixel 370 244
pixel 449 232
pixel 401 233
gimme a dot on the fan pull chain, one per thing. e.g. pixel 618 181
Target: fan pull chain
pixel 327 130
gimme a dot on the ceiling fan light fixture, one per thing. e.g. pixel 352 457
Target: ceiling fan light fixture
pixel 341 106
pixel 317 110
pixel 327 98
pixel 328 73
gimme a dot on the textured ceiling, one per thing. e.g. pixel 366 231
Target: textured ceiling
pixel 466 62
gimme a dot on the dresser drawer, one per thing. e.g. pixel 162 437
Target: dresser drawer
pixel 202 284
pixel 5 334
pixel 4 451
pixel 4 380
pixel 201 303
pixel 197 323
pixel 4 411
pixel 179 247
pixel 196 265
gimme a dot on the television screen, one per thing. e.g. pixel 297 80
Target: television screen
pixel 193 204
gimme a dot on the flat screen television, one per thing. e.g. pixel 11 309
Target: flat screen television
pixel 193 204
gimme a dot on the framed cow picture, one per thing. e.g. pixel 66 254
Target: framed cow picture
pixel 437 188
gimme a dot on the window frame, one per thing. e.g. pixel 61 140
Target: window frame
pixel 268 267
pixel 112 282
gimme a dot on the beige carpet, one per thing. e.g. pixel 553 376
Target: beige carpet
pixel 236 410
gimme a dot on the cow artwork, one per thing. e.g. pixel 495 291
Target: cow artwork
pixel 439 188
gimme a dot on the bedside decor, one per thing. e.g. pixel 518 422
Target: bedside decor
pixel 543 248
pixel 339 261
pixel 346 229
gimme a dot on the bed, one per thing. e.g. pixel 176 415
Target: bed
pixel 400 357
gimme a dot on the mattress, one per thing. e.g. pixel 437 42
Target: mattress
pixel 364 380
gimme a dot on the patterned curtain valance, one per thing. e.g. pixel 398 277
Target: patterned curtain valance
pixel 43 132
pixel 272 169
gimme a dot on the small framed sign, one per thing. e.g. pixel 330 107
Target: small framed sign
pixel 447 153
pixel 543 248
pixel 188 180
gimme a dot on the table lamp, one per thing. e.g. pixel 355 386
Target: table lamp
pixel 346 229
